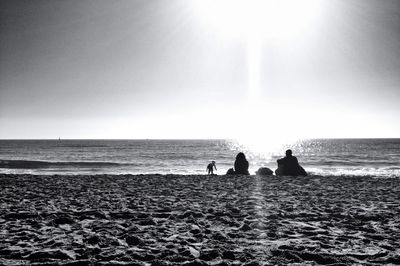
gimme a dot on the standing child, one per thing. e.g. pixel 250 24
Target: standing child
pixel 210 168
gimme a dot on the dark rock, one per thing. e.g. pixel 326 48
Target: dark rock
pixel 230 171
pixel 264 171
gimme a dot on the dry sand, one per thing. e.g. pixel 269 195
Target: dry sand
pixel 198 220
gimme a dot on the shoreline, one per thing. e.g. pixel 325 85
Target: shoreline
pixel 311 176
pixel 198 220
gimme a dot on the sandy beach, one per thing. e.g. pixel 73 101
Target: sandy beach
pixel 198 220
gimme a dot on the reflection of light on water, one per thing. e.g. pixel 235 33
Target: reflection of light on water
pixel 318 157
pixel 325 157
pixel 265 147
pixel 261 152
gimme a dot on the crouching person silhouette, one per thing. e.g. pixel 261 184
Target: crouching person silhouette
pixel 210 168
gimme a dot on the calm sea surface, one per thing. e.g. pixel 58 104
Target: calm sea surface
pixel 361 157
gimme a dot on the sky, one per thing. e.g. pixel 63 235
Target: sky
pixel 199 69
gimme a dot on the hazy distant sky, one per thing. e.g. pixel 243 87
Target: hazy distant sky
pixel 192 69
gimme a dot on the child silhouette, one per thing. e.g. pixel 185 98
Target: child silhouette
pixel 210 168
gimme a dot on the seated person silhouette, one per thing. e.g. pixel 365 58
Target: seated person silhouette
pixel 289 166
pixel 241 164
pixel 210 168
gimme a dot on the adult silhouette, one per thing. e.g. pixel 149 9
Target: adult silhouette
pixel 241 164
pixel 289 166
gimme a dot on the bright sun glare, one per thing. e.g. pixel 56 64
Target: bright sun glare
pixel 259 23
pixel 271 20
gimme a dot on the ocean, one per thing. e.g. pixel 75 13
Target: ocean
pixel 350 157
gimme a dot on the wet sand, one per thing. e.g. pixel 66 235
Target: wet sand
pixel 198 220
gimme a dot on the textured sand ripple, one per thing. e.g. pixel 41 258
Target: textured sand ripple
pixel 198 220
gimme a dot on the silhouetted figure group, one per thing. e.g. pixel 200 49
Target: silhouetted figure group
pixel 287 166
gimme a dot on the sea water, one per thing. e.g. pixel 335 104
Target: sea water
pixel 354 157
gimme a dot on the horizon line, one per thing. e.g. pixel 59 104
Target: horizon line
pixel 61 139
